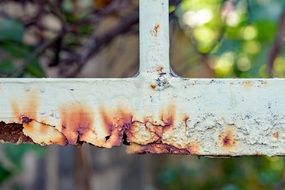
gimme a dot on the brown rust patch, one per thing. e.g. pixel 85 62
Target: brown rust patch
pixel 27 110
pixel 167 116
pixel 76 121
pixel 153 86
pixel 13 133
pixel 155 30
pixel 116 123
pixel 247 84
pixel 159 148
pixel 27 124
pixel 159 69
pixel 227 138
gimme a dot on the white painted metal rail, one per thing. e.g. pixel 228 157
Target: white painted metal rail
pixel 152 113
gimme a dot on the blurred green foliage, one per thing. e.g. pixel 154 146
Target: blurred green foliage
pixel 247 173
pixel 12 158
pixel 237 35
pixel 16 55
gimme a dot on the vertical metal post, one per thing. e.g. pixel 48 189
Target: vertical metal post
pixel 154 36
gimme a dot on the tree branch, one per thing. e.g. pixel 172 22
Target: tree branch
pixel 96 43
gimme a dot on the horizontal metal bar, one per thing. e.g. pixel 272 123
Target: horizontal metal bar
pixel 169 115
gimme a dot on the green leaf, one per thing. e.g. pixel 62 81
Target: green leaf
pixel 15 153
pixel 6 66
pixel 11 30
pixel 35 69
pixel 4 174
pixel 266 30
pixel 16 50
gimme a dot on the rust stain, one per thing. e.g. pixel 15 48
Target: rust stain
pixel 153 86
pixel 154 32
pixel 120 126
pixel 27 110
pixel 168 116
pixel 13 133
pixel 161 148
pixel 159 69
pixel 116 123
pixel 227 138
pixel 27 123
pixel 276 135
pixel 107 122
pixel 247 84
pixel 77 125
pixel 76 122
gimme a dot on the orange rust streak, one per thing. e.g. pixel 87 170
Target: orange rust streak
pixel 108 124
pixel 28 127
pixel 76 121
pixel 28 110
pixel 227 138
pixel 16 111
pixel 32 106
pixel 124 117
pixel 116 122
pixel 168 116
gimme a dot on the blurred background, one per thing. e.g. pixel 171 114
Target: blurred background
pixel 99 38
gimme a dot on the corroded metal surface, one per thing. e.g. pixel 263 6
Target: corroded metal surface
pixel 189 116
pixel 152 113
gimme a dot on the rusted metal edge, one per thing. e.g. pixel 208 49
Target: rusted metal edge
pixel 163 115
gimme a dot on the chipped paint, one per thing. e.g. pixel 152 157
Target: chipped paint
pixel 155 30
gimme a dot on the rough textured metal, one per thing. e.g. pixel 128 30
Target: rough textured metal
pixel 152 113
